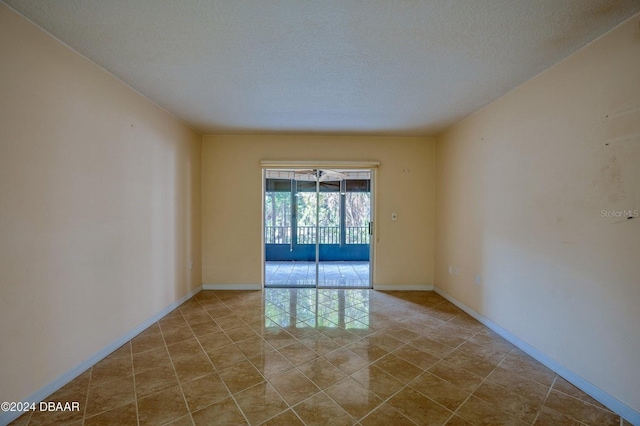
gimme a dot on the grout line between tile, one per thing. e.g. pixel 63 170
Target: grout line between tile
pixel 166 347
pixel 247 359
pixel 135 386
pixel 86 398
pixel 389 312
pixel 290 407
pixel 473 392
pixel 545 399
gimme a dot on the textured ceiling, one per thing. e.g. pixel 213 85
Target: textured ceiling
pixel 388 67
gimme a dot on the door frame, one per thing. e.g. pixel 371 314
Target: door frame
pixel 372 166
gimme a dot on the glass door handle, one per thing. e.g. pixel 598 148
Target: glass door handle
pixel 370 228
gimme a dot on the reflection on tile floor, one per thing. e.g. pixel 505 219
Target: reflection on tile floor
pixel 313 357
pixel 330 274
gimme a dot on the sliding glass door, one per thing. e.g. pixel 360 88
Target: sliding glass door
pixel 290 226
pixel 317 228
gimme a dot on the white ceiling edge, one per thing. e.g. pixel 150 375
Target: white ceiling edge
pixel 288 107
pixel 544 71
pixel 103 69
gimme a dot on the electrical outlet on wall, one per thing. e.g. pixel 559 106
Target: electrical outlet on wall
pixel 455 270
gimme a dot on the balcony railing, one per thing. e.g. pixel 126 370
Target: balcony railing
pixel 307 234
pixel 357 234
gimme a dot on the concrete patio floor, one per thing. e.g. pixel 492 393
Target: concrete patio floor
pixel 330 274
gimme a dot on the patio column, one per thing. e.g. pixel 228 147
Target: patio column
pixel 343 224
pixel 294 214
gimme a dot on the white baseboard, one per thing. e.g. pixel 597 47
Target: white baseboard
pixel 414 287
pixel 42 393
pixel 587 387
pixel 232 286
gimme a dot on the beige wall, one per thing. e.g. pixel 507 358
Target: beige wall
pixel 520 189
pixel 99 208
pixel 232 201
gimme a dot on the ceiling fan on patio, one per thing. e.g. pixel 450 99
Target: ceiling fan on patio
pixel 324 174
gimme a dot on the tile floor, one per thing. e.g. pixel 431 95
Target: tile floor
pixel 330 274
pixel 313 357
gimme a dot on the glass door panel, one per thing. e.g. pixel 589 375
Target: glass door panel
pixel 317 228
pixel 345 214
pixel 304 248
pixel 290 211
